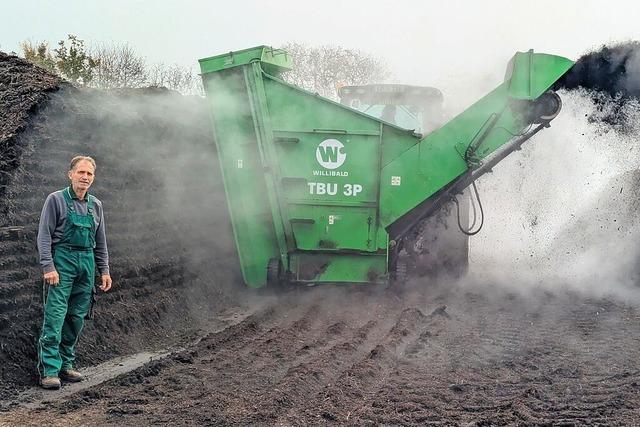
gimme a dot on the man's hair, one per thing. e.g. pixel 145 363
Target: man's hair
pixel 77 159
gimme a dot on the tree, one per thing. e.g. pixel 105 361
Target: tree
pixel 40 55
pixel 73 62
pixel 322 69
pixel 119 66
pixel 176 77
pixel 110 66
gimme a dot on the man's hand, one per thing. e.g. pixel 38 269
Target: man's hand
pixel 106 282
pixel 51 278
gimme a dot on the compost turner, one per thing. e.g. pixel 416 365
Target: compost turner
pixel 319 192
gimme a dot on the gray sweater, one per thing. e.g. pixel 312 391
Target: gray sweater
pixel 53 221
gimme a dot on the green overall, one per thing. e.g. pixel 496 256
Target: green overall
pixel 68 302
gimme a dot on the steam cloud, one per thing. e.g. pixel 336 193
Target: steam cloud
pixel 564 213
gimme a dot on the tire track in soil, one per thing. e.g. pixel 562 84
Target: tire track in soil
pixel 513 386
pixel 358 384
pixel 308 354
pixel 290 348
pixel 317 380
pixel 307 371
pixel 243 358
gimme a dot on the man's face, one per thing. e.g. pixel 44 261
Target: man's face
pixel 82 175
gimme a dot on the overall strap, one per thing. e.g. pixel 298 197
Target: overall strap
pixel 90 202
pixel 67 198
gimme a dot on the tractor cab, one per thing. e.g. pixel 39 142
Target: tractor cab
pixel 418 108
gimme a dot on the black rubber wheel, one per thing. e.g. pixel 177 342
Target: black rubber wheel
pixel 274 273
pixel 547 106
pixel 400 272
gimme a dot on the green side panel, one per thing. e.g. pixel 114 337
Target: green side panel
pixel 272 60
pixel 339 268
pixel 382 239
pixel 395 142
pixel 334 227
pixel 242 172
pixel 299 167
pixel 328 160
pixel 532 74
pixel 293 108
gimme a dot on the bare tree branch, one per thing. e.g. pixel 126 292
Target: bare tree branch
pixel 322 69
pixel 175 77
pixel 119 66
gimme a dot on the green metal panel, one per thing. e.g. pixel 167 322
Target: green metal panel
pixel 273 60
pixel 531 74
pixel 328 159
pixel 264 130
pixel 339 268
pixel 332 228
pixel 395 142
pixel 303 173
pixel 298 108
pixel 242 173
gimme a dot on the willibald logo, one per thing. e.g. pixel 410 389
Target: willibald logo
pixel 331 154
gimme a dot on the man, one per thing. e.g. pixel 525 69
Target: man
pixel 71 241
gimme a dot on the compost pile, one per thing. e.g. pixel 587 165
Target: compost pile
pixel 430 352
pixel 155 212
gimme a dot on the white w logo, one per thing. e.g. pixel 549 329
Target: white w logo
pixel 330 154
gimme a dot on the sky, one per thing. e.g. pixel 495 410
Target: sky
pixel 451 43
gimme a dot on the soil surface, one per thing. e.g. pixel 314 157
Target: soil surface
pixel 429 355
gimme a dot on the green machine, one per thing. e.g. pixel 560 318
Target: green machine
pixel 322 193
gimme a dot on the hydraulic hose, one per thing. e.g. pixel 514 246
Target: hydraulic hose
pixel 470 231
